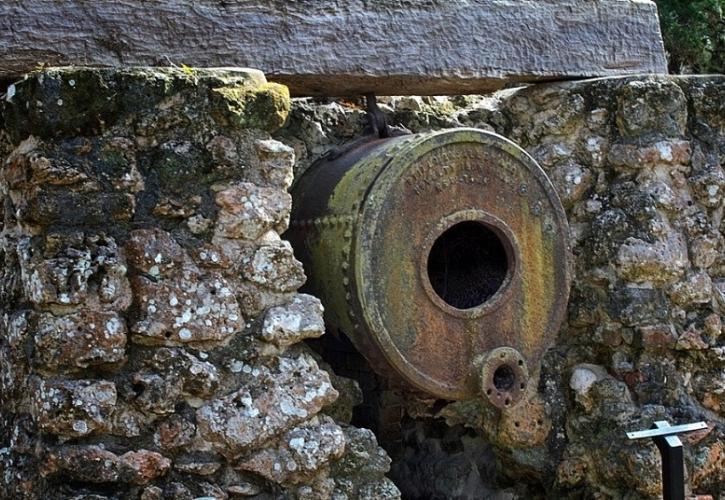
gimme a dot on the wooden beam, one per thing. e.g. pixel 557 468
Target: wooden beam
pixel 328 47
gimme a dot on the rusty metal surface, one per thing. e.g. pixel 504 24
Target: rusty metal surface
pixel 431 252
pixel 503 376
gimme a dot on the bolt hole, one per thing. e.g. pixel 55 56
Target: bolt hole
pixel 522 385
pixel 137 388
pixel 488 391
pixel 167 334
pixel 521 362
pixel 517 424
pixel 504 378
pixel 467 264
pixel 539 422
pixel 507 402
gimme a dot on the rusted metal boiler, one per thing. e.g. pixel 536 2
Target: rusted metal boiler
pixel 443 256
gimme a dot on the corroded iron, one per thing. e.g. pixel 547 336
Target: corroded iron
pixel 443 256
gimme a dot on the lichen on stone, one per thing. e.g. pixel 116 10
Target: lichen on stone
pixel 638 164
pixel 140 257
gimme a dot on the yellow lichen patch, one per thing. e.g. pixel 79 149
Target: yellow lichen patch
pixel 526 424
pixel 265 107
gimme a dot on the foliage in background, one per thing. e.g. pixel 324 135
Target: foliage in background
pixel 694 35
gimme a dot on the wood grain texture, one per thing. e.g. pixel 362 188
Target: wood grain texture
pixel 332 47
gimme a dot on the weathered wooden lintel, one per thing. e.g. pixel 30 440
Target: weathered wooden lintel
pixel 327 47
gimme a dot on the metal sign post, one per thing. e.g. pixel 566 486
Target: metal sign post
pixel 673 466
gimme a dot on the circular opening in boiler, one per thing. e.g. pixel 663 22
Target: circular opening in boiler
pixel 504 378
pixel 467 264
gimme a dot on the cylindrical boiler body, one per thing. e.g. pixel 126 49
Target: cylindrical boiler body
pixel 444 257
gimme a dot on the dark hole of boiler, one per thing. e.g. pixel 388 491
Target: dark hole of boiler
pixel 504 378
pixel 467 265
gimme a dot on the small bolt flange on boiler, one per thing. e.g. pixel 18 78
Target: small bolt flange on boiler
pixel 504 376
pixel 444 257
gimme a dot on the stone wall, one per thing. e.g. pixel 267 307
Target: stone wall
pixel 150 321
pixel 638 163
pixel 149 315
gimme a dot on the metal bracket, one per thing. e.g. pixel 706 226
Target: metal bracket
pixel 377 128
pixel 377 122
pixel 665 438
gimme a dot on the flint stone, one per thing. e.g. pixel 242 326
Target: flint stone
pixel 363 459
pixel 663 195
pixel 146 465
pixel 83 463
pixel 171 376
pixel 691 339
pixel 713 325
pixel 572 181
pixel 321 487
pixel 670 153
pixel 74 270
pixel 187 307
pixel 281 395
pixel 652 107
pixel 718 302
pixel 583 378
pixel 297 320
pixel 198 467
pixel 660 335
pixel 382 489
pixel 244 489
pixel 247 211
pixel 704 251
pixel 696 289
pixel 154 252
pixel 276 162
pixel 152 493
pixel 635 306
pixel 79 340
pixel 274 267
pixel 197 378
pixel 47 183
pixel 178 303
pixel 708 464
pixel 74 408
pixel 659 263
pixel 299 454
pixel 584 375
pixel 174 433
pixel 155 394
pixel 710 390
pixel 709 187
pixel 96 465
